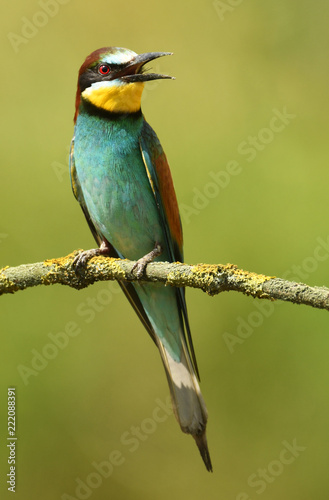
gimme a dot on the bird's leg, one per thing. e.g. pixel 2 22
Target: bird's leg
pixel 82 258
pixel 141 264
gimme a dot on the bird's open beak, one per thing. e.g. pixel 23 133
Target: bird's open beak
pixel 133 72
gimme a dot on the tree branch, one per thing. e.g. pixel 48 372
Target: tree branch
pixel 212 279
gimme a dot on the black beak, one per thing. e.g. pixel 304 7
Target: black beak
pixel 132 72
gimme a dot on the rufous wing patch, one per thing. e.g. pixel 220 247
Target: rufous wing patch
pixel 168 196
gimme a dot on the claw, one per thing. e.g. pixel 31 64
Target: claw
pixel 82 258
pixel 140 265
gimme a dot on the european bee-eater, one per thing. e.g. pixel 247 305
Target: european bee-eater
pixel 121 178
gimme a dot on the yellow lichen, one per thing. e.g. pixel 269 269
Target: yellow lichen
pixel 110 264
pixel 7 285
pixel 207 276
pixel 174 278
pixel 252 282
pixel 62 261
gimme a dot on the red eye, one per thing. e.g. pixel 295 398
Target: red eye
pixel 104 69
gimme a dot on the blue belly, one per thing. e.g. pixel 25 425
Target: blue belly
pixel 115 185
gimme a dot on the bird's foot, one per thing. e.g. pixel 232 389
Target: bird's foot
pixel 82 258
pixel 140 265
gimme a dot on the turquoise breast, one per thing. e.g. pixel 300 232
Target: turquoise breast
pixel 114 183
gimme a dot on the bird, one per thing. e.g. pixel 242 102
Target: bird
pixel 121 178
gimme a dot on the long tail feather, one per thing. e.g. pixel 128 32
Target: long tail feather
pixel 201 441
pixel 188 404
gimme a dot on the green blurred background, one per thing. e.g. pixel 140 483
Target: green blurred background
pixel 237 64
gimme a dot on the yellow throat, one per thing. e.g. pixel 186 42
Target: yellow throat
pixel 115 96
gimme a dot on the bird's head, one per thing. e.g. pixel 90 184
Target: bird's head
pixel 112 78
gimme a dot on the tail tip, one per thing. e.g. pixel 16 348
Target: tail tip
pixel 201 441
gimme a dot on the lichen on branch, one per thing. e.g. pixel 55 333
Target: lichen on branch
pixel 211 278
